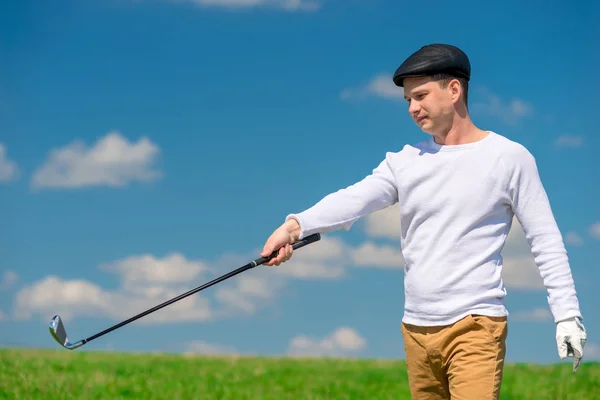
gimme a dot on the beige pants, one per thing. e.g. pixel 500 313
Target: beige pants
pixel 462 361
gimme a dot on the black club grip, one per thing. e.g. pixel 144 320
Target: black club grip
pixel 307 240
pixel 315 237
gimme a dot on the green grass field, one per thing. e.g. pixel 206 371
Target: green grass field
pixel 44 374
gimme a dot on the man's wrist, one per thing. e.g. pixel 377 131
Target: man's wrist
pixel 293 227
pixel 570 319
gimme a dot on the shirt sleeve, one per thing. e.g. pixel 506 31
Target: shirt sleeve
pixel 340 209
pixel 532 208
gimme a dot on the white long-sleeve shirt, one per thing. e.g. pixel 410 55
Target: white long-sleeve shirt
pixel 457 204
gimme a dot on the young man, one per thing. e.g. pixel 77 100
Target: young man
pixel 458 192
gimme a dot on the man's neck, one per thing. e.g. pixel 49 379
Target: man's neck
pixel 462 132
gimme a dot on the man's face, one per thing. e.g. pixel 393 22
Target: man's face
pixel 430 105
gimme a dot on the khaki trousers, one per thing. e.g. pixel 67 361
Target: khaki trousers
pixel 461 361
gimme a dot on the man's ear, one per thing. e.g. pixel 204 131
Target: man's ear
pixel 455 90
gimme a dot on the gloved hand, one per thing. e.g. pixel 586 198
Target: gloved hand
pixel 570 339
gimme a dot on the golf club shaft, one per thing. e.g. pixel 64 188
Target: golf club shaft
pixel 259 261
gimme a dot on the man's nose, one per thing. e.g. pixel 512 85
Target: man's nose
pixel 414 108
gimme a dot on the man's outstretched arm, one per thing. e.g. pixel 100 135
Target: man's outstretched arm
pixel 338 210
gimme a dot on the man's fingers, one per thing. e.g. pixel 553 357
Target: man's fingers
pixel 283 254
pixel 576 364
pixel 287 252
pixel 275 260
pixel 577 347
pixel 570 352
pixel 562 349
pixel 577 355
pixel 573 348
pixel 267 249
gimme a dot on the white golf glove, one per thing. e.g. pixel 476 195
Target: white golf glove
pixel 570 339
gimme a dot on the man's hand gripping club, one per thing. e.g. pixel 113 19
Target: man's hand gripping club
pixel 282 239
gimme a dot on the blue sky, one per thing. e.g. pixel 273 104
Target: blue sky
pixel 150 146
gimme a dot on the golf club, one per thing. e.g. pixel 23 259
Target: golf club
pixel 57 328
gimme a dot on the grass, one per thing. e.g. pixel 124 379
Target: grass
pixel 49 374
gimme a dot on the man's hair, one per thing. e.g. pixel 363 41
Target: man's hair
pixel 445 78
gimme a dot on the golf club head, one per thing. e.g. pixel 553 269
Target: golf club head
pixel 58 332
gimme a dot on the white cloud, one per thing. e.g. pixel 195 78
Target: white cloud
pixel 511 111
pixel 380 85
pixel 343 341
pixel 591 352
pixel 9 278
pixel 595 230
pixel 286 5
pixel 147 271
pixel 73 298
pixel 247 292
pixel 2 315
pixel 573 238
pixel 521 273
pixel 113 160
pixel 145 282
pixel 538 314
pixel 324 259
pixel 204 348
pixel 299 268
pixel 379 256
pixel 572 141
pixel 520 270
pixel 384 223
pixel 8 168
pixel 327 259
pixel 331 257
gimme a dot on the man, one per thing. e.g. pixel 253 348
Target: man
pixel 458 192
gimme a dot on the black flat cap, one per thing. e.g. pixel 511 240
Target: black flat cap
pixel 432 59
